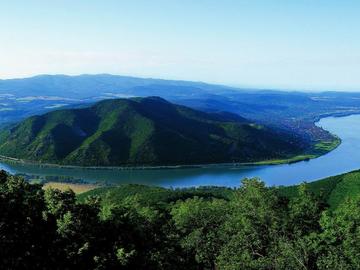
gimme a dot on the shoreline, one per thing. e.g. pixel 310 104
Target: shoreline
pixel 160 167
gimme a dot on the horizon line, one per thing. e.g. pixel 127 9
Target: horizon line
pixel 223 84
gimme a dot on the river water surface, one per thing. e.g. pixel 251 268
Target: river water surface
pixel 345 158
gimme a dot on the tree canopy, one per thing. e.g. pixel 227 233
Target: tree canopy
pixel 252 227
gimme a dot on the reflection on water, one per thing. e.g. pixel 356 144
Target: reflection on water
pixel 343 159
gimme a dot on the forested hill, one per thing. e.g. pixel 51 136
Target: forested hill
pixel 142 131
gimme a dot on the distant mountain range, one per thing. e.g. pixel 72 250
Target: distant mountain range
pixel 142 131
pixel 87 86
pixel 24 97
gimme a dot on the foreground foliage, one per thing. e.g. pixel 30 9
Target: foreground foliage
pixel 252 227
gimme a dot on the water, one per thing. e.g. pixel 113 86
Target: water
pixel 343 159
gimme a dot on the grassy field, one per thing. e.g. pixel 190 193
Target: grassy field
pixel 77 188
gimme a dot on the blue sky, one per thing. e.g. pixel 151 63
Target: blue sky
pixel 289 44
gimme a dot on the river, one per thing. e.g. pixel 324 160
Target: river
pixel 345 158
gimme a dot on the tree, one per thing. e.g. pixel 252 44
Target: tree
pixel 298 248
pixel 199 222
pixel 304 212
pixel 24 235
pixel 253 227
pixel 341 237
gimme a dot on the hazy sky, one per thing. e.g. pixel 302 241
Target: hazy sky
pixel 299 44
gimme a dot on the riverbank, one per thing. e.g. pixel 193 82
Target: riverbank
pixel 319 149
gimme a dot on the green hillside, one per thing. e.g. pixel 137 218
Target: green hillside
pixel 142 131
pixel 334 189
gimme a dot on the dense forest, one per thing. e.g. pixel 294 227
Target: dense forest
pixel 251 227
